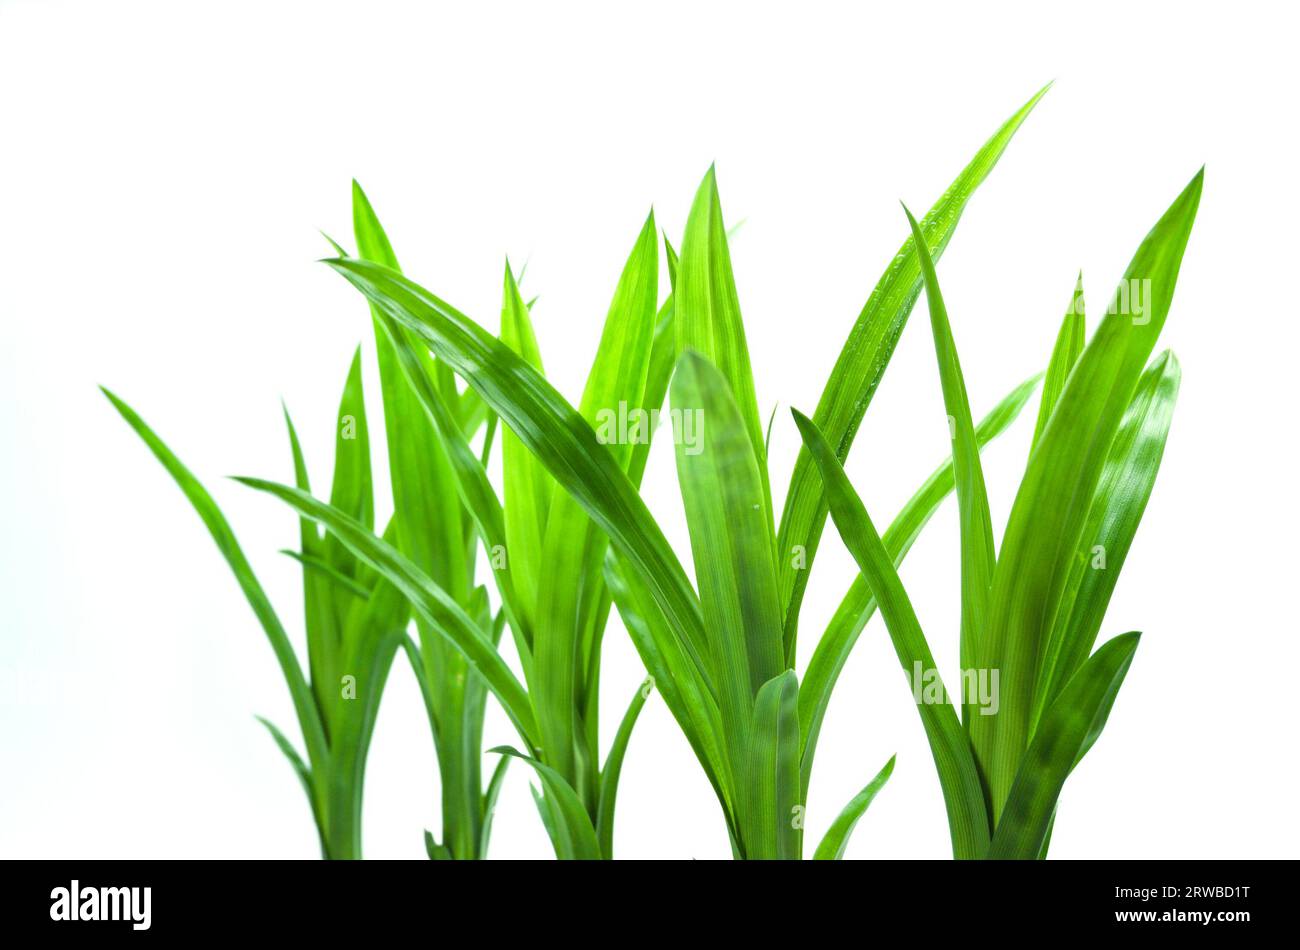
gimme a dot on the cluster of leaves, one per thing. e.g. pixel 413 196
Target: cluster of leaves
pixel 571 538
pixel 1032 611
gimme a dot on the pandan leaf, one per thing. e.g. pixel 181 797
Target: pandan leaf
pixel 861 365
pixel 837 836
pixel 1067 731
pixel 962 792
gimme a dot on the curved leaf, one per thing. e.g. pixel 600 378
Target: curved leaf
pixel 861 364
pixel 490 803
pixel 858 604
pixel 431 603
pixel 837 836
pixel 573 548
pixel 609 773
pixel 552 429
pixel 678 678
pixel 1068 730
pixel 962 791
pixel 303 701
pixel 1117 506
pixel 1056 493
pixel 289 752
pixel 575 839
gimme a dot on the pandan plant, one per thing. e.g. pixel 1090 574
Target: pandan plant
pixel 721 651
pixel 546 554
pixel 354 623
pixel 1032 609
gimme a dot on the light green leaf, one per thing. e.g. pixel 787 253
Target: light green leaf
pixel 574 838
pixel 678 678
pixel 861 365
pixel 707 313
pixel 289 752
pixel 609 774
pixel 527 486
pixel 303 701
pixel 1070 340
pixel 771 825
pixel 431 603
pixel 573 551
pixel 732 545
pixel 490 802
pixel 837 836
pixel 552 429
pixel 333 574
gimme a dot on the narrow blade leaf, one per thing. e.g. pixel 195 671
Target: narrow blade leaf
pixel 977 556
pixel 962 792
pixel 861 365
pixel 837 836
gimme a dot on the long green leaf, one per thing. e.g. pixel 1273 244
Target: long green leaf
pixel 490 802
pixel 977 555
pixel 1118 503
pixel 431 603
pixel 323 623
pixel 289 752
pixel 573 550
pixel 860 366
pixel 527 486
pixel 1056 492
pixel 731 542
pixel 962 791
pixel 552 429
pixel 430 521
pixel 472 485
pixel 678 678
pixel 352 490
pixel 323 569
pixel 858 604
pixel 303 702
pixel 708 313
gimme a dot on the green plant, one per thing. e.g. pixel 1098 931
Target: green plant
pixel 432 529
pixel 721 658
pixel 354 622
pixel 545 553
pixel 1033 610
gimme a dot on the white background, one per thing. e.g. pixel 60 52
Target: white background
pixel 164 168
